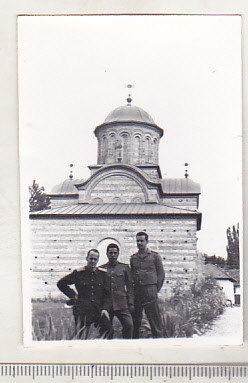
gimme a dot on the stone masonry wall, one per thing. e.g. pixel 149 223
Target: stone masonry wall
pixel 62 201
pixel 188 202
pixel 120 187
pixel 60 245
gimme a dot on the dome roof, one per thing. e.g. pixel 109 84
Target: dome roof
pixel 129 113
pixel 180 186
pixel 66 187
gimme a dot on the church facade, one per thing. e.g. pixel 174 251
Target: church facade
pixel 124 194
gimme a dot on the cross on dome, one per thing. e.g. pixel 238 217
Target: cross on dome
pixel 129 98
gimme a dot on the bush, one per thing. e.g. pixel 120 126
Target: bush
pixel 187 312
pixel 191 310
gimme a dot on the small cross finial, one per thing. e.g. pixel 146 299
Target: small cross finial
pixel 186 174
pixel 71 173
pixel 129 99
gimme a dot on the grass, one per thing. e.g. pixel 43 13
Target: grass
pixel 187 312
pixel 52 321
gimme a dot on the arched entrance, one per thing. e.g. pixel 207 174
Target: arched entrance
pixel 102 248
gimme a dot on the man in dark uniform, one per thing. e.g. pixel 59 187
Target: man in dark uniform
pixel 91 300
pixel 148 275
pixel 121 290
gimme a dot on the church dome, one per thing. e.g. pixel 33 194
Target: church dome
pixel 180 186
pixel 128 135
pixel 65 187
pixel 129 113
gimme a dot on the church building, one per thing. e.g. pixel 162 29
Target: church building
pixel 124 194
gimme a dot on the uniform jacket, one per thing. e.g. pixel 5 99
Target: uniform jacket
pixel 147 269
pixel 121 284
pixel 92 288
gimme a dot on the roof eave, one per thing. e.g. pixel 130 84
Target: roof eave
pixel 109 215
pixel 129 122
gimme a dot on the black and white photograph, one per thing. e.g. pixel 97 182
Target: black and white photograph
pixel 130 148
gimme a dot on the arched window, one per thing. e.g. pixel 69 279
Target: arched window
pixel 112 150
pixel 155 150
pixel 125 144
pixel 116 200
pixel 99 155
pixel 97 200
pixel 137 149
pixel 147 149
pixel 103 149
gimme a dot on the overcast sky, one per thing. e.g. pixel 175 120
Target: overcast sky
pixel 187 75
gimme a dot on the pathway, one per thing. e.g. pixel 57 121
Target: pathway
pixel 227 324
pixel 226 329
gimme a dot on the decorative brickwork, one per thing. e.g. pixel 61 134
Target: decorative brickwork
pixel 125 194
pixel 128 143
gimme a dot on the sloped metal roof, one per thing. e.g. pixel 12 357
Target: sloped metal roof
pixel 180 186
pixel 114 209
pixel 216 272
pixel 235 274
pixel 110 210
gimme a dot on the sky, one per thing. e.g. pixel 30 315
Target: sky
pixel 186 71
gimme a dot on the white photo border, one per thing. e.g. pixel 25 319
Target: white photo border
pixel 13 350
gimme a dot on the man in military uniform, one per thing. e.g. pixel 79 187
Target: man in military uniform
pixel 121 290
pixel 91 300
pixel 148 275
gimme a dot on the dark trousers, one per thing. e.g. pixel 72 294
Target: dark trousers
pixel 145 297
pixel 83 321
pixel 126 320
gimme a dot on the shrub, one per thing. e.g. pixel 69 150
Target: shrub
pixel 191 310
pixel 187 312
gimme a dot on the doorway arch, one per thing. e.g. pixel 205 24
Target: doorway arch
pixel 102 248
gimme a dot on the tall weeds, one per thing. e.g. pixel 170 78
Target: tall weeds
pixel 64 330
pixel 187 312
pixel 191 310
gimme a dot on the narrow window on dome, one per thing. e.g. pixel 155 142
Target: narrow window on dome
pixel 99 141
pixel 112 151
pixel 125 140
pixel 118 150
pixel 137 148
pixel 104 149
pixel 155 150
pixel 148 150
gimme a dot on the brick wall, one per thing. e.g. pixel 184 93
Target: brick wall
pixel 60 245
pixel 63 201
pixel 188 202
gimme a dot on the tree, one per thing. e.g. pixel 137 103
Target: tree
pixel 215 260
pixel 38 199
pixel 232 247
